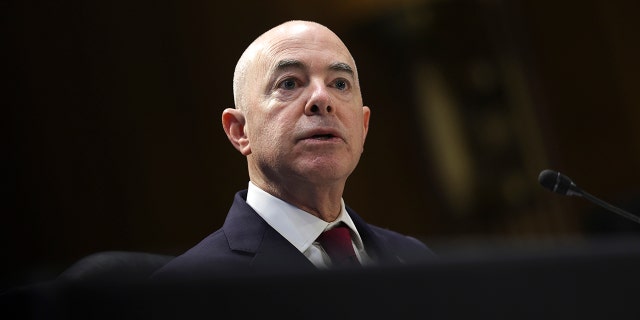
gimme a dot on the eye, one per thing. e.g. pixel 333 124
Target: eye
pixel 288 84
pixel 341 84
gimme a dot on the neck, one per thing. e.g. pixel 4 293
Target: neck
pixel 322 201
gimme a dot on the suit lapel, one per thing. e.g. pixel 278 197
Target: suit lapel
pixel 376 247
pixel 276 253
pixel 247 232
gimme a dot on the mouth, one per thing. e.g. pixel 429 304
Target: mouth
pixel 322 135
pixel 325 136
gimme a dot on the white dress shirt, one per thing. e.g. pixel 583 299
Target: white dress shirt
pixel 302 228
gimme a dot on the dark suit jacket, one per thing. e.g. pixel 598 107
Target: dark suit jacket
pixel 246 244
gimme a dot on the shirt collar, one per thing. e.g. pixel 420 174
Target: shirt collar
pixel 297 226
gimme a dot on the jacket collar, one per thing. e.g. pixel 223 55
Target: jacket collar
pixel 247 232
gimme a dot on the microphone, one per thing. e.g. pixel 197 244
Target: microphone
pixel 559 183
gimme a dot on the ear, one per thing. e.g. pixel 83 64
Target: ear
pixel 366 114
pixel 233 123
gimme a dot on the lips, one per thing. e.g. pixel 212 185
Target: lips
pixel 321 134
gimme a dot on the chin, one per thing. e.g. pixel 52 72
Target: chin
pixel 325 171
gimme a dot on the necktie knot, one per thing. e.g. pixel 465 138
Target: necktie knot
pixel 337 244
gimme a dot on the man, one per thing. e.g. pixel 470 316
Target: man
pixel 300 121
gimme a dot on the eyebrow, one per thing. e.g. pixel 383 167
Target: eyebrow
pixel 288 64
pixel 341 66
pixel 296 64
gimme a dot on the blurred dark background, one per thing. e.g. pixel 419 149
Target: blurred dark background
pixel 114 142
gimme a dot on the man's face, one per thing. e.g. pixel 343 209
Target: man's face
pixel 304 116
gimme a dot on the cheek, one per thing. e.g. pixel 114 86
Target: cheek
pixel 357 127
pixel 270 136
pixel 264 136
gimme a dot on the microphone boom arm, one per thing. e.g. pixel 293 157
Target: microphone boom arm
pixel 609 207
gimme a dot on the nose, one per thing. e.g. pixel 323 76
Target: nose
pixel 320 101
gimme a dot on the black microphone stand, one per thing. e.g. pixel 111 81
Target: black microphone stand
pixel 608 206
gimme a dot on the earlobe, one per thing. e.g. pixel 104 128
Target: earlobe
pixel 233 123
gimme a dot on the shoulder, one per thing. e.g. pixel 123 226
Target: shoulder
pixel 212 253
pixel 402 248
pixel 397 239
pixel 391 245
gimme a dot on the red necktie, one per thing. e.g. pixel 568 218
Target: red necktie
pixel 337 243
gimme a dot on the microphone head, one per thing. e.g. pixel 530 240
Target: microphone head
pixel 556 182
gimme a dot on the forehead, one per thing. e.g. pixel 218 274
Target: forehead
pixel 311 45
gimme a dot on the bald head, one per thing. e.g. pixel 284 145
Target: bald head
pixel 299 117
pixel 253 66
